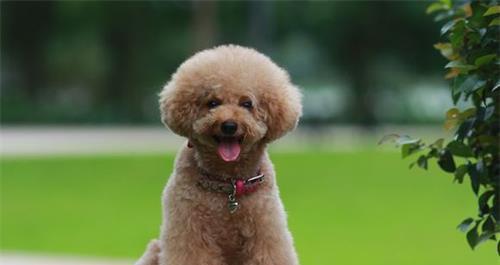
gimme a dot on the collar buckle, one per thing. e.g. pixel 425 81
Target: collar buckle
pixel 234 189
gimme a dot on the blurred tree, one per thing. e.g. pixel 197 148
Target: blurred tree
pixel 260 25
pixel 204 24
pixel 102 62
pixel 355 56
pixel 24 29
pixel 378 37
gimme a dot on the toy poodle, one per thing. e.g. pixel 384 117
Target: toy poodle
pixel 221 205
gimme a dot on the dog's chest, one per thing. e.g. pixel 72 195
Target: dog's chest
pixel 232 234
pixel 229 231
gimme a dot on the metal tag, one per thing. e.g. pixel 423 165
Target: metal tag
pixel 232 204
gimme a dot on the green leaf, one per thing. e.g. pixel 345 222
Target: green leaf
pixel 435 7
pixel 455 97
pixel 483 201
pixel 495 22
pixel 459 149
pixel 477 85
pixel 468 113
pixel 477 99
pixel 457 82
pixel 457 36
pixel 495 212
pixel 460 173
pixel 452 118
pixel 446 161
pixel 469 83
pixel 389 138
pixel 437 144
pixel 473 38
pixel 484 59
pixel 498 248
pixel 489 112
pixel 422 162
pixel 453 113
pixel 460 65
pixel 447 3
pixel 464 129
pixel 410 148
pixel 484 237
pixel 497 85
pixel 407 140
pixel 486 140
pixel 474 177
pixel 465 224
pixel 467 10
pixel 442 46
pixel 408 145
pixel 492 10
pixel 398 139
pixel 434 153
pixel 472 83
pixel 444 15
pixel 472 237
pixel 482 32
pixel 489 224
pixel 481 170
pixel 446 50
pixel 446 27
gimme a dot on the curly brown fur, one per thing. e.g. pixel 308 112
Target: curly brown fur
pixel 197 226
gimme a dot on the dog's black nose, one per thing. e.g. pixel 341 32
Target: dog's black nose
pixel 228 127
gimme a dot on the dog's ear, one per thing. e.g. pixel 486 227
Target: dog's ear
pixel 178 108
pixel 283 110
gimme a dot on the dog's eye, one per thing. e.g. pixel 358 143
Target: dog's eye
pixel 247 104
pixel 213 103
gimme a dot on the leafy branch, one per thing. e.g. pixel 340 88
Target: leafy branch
pixel 471 32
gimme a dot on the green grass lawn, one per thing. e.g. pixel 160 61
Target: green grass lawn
pixel 344 208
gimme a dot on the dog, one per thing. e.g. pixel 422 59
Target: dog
pixel 221 204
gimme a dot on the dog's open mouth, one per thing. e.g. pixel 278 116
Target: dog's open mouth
pixel 228 148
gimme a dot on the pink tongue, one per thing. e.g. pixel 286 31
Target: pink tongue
pixel 229 150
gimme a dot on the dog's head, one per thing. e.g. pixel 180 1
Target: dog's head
pixel 230 98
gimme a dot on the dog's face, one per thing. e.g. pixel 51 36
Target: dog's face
pixel 229 99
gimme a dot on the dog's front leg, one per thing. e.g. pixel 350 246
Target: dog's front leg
pixel 150 256
pixel 190 248
pixel 272 251
pixel 271 243
pixel 187 241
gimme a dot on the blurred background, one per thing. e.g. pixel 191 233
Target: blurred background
pixel 84 156
pixel 79 62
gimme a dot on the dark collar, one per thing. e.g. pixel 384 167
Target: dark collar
pixel 238 186
pixel 233 187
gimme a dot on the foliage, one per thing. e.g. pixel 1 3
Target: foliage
pixel 472 48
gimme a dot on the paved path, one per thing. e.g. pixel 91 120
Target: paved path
pixel 28 259
pixel 80 140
